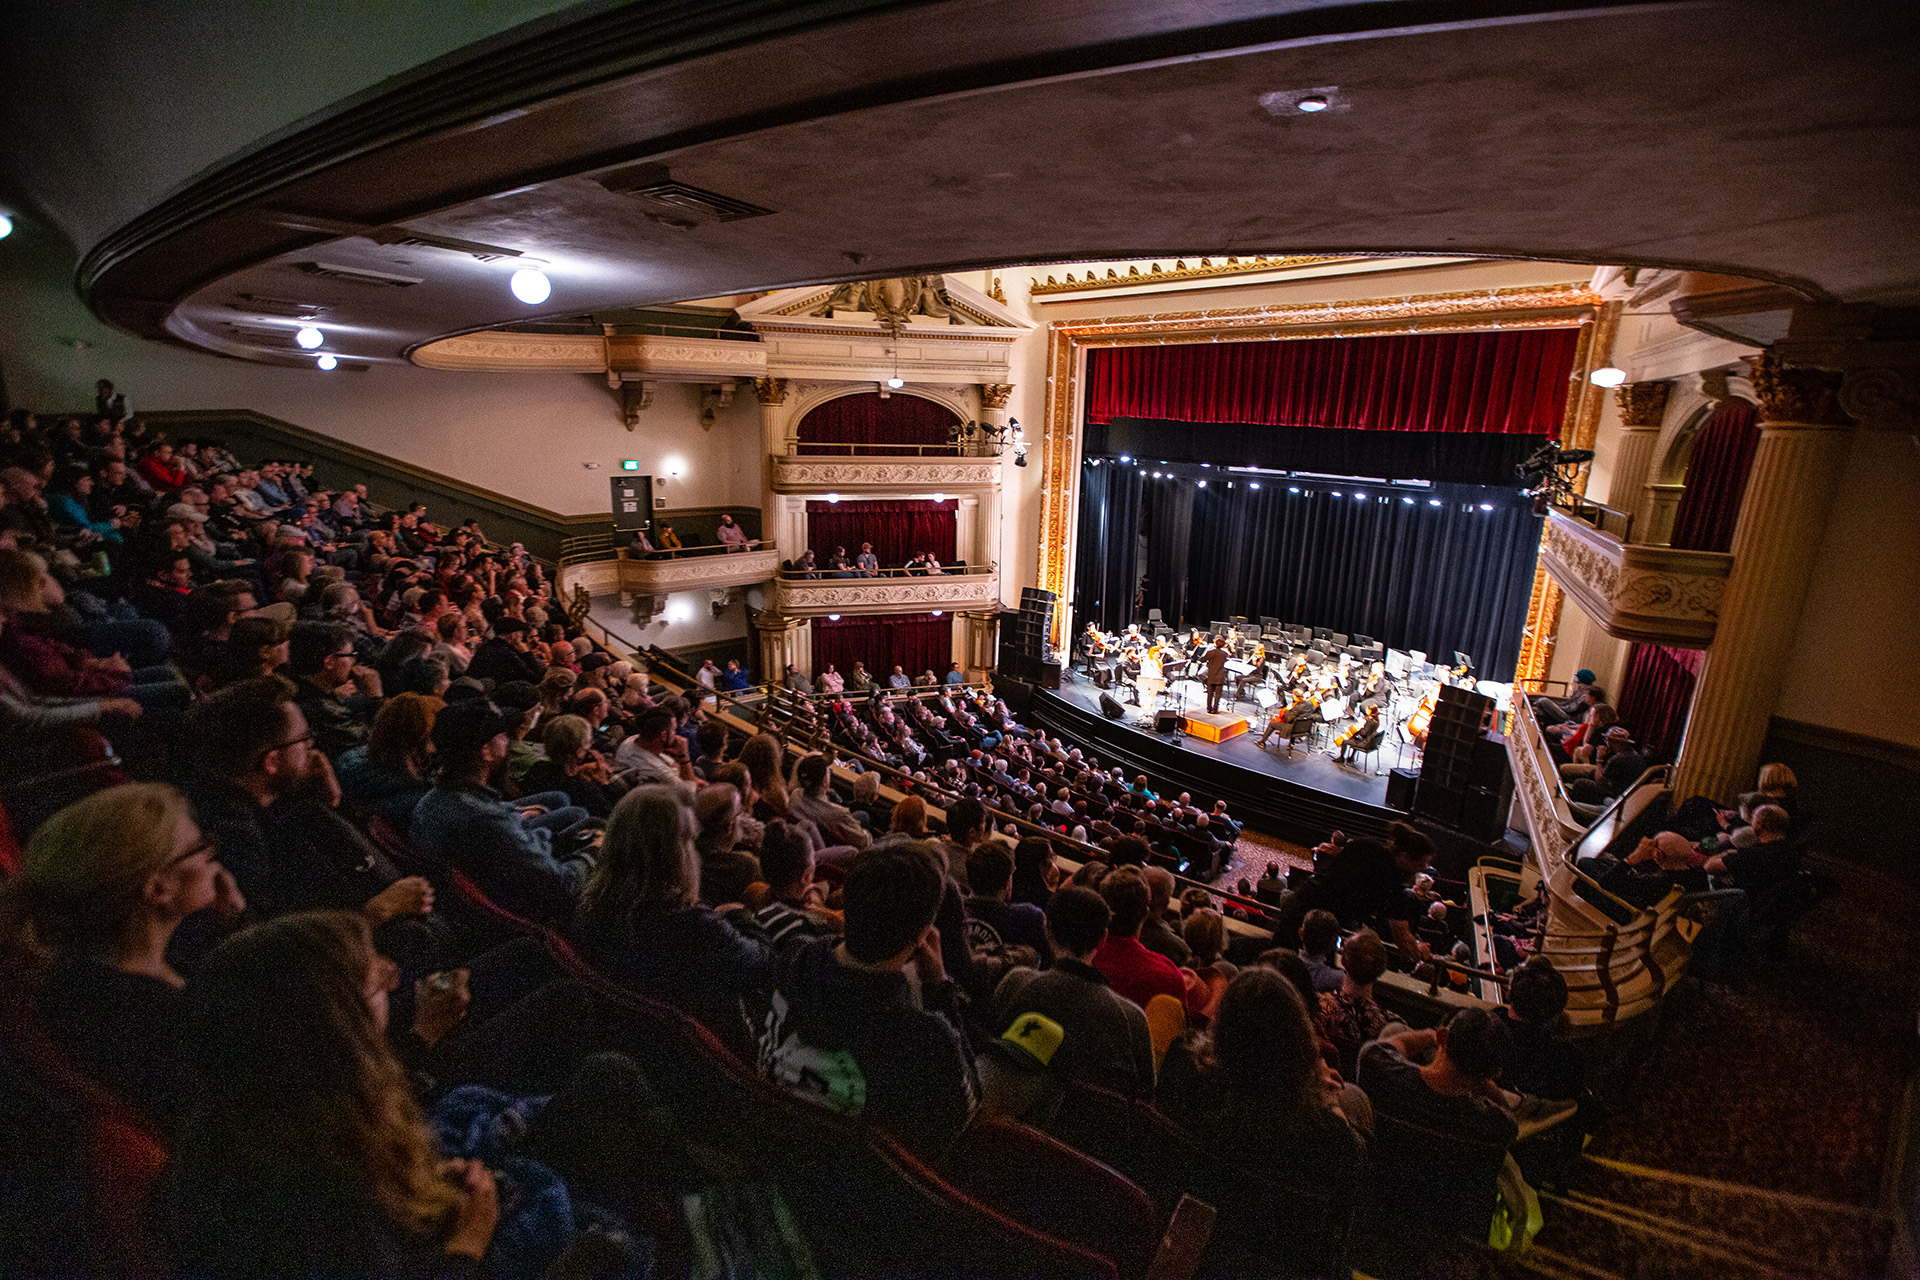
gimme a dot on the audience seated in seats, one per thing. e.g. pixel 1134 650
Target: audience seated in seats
pixel 641 919
pixel 656 754
pixel 391 773
pixel 505 655
pixel 1551 711
pixel 337 695
pixel 1135 972
pixel 1435 1098
pixel 32 648
pixel 853 1031
pixel 1541 1062
pixel 266 798
pixel 1364 884
pixel 989 869
pixel 728 871
pixel 87 920
pixel 1619 764
pixel 1106 1041
pixel 522 854
pixel 1319 932
pixel 573 768
pixel 1156 935
pixel 1253 1088
pixel 1348 1018
pixel 1766 863
pixel 793 908
pixel 1035 874
pixel 809 799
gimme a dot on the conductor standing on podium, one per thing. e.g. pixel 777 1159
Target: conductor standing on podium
pixel 1216 661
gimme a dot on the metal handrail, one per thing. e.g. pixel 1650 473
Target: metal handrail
pixel 848 449
pixel 1597 514
pixel 847 575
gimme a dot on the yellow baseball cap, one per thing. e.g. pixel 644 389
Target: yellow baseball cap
pixel 1031 1040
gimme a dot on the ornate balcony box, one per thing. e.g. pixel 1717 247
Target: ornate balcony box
pixel 949 592
pixel 690 573
pixel 1660 595
pixel 884 474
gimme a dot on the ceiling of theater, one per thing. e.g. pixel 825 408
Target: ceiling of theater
pixel 1765 138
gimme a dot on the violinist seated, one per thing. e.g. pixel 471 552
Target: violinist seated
pixel 1362 736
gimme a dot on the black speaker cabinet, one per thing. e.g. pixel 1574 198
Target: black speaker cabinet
pixel 1400 788
pixel 1165 719
pixel 1103 677
pixel 1483 812
pixel 1109 708
pixel 1049 673
pixel 1437 802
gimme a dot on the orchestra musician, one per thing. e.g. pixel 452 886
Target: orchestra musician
pixel 1292 720
pixel 1362 736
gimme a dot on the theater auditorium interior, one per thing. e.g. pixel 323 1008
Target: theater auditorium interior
pixel 1103 638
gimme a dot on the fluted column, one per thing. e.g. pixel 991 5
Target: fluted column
pixel 1796 468
pixel 982 625
pixel 776 644
pixel 772 394
pixel 1642 406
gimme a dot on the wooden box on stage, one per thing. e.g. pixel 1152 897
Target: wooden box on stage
pixel 1215 728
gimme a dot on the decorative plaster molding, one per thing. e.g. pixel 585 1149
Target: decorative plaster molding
pixel 886 595
pixel 663 577
pixel 1552 827
pixel 770 390
pixel 994 395
pixel 1207 270
pixel 629 355
pixel 820 475
pixel 1660 595
pixel 1642 404
pixel 1796 395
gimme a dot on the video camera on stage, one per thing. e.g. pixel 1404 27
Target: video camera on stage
pixel 1550 472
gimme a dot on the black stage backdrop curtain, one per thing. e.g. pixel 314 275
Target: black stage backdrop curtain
pixel 1709 506
pixel 1510 381
pixel 899 531
pixel 872 420
pixel 915 642
pixel 1169 522
pixel 1109 552
pixel 1410 574
pixel 1460 457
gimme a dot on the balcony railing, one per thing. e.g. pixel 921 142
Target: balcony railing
pixel 1612 521
pixel 944 471
pixel 892 594
pixel 1662 595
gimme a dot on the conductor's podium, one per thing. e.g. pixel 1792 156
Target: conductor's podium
pixel 1215 728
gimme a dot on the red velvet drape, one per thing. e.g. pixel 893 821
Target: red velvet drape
pixel 1513 382
pixel 872 421
pixel 899 531
pixel 1656 694
pixel 916 642
pixel 1717 478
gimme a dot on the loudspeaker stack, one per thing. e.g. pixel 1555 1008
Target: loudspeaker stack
pixel 1025 653
pixel 1465 781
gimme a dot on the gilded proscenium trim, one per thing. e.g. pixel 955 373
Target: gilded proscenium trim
pixel 1208 269
pixel 1659 595
pixel 1519 307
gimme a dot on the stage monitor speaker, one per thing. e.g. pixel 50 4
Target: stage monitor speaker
pixel 1400 789
pixel 1165 720
pixel 1048 672
pixel 1103 677
pixel 1109 708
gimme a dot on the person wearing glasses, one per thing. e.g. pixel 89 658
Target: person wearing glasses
pixel 103 887
pixel 268 799
pixel 336 693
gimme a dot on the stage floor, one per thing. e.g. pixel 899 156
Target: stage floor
pixel 1316 769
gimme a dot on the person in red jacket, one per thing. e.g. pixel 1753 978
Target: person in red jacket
pixel 161 471
pixel 1129 968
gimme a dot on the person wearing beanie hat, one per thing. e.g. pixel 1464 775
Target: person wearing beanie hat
pixel 1549 710
pixel 526 855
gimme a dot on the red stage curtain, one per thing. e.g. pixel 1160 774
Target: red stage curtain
pixel 915 642
pixel 1656 694
pixel 1717 479
pixel 899 531
pixel 871 420
pixel 1513 382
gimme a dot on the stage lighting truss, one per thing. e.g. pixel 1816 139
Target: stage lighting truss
pixel 1553 474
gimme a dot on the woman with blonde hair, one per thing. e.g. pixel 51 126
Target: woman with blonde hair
pixel 763 757
pixel 572 766
pixel 1781 788
pixel 306 1154
pixel 103 886
pixel 555 688
pixel 390 773
pixel 641 920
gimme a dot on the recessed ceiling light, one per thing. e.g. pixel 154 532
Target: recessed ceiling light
pixel 309 337
pixel 1607 377
pixel 1433 502
pixel 327 363
pixel 530 286
pixel 6 226
pixel 1311 103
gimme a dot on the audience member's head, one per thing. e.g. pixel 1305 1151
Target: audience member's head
pixel 647 862
pixel 1127 894
pixel 1129 851
pixel 1364 957
pixel 1318 932
pixel 1412 851
pixel 321 652
pixel 1476 1042
pixel 1205 933
pixel 1262 1044
pixel 989 870
pixel 1538 993
pixel 1077 921
pixel 966 822
pixel 402 734
pixel 891 896
pixel 786 860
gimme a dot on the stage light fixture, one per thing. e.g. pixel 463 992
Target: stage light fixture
pixel 309 337
pixel 1607 377
pixel 1338 494
pixel 6 226
pixel 1203 484
pixel 1359 497
pixel 326 363
pixel 1156 475
pixel 1253 484
pixel 1293 488
pixel 1486 506
pixel 531 286
pixel 1125 458
pixel 1433 502
pixel 1408 501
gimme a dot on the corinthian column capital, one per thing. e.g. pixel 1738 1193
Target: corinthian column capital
pixel 1642 404
pixel 770 390
pixel 1803 395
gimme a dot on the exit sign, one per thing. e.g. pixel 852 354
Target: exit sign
pixel 629 464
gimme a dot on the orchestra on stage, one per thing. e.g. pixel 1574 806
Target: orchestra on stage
pixel 1304 688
